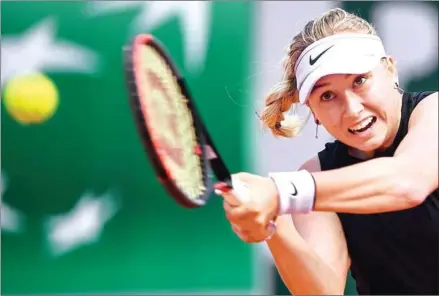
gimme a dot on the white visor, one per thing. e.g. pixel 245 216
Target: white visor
pixel 347 53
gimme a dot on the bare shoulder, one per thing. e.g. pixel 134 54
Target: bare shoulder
pixel 434 96
pixel 426 109
pixel 323 231
pixel 431 98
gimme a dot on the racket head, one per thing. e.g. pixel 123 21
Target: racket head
pixel 164 114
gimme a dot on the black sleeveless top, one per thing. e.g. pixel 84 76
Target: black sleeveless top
pixel 396 252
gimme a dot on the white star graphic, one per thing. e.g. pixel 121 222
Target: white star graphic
pixel 12 220
pixel 82 225
pixel 195 18
pixel 37 50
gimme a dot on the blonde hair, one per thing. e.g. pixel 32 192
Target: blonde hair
pixel 281 97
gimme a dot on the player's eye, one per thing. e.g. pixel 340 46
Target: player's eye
pixel 326 96
pixel 360 80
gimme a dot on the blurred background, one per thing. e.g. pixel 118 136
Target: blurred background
pixel 82 211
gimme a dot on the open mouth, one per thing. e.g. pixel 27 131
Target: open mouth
pixel 363 126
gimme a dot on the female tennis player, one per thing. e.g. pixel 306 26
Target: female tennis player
pixel 369 201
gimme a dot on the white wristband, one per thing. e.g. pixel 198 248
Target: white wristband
pixel 296 191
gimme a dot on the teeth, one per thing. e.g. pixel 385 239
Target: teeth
pixel 362 124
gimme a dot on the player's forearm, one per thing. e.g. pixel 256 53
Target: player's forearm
pixel 301 269
pixel 375 186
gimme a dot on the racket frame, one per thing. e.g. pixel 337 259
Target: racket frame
pixel 163 174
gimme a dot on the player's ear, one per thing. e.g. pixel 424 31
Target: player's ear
pixel 391 67
pixel 316 120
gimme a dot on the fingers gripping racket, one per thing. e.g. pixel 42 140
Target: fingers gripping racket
pixel 174 136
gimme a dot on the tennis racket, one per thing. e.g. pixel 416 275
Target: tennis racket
pixel 173 134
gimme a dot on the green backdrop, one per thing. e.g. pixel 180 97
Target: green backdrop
pixel 81 209
pixel 90 151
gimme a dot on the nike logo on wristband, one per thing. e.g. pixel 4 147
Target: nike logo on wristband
pixel 295 189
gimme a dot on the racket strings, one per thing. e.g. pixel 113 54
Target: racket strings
pixel 174 122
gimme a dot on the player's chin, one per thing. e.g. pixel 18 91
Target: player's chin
pixel 372 144
pixel 370 140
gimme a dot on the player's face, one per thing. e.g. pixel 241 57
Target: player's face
pixel 361 111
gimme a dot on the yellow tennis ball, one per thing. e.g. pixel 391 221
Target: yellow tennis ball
pixel 30 98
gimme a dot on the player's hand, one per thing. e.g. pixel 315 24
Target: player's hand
pixel 252 215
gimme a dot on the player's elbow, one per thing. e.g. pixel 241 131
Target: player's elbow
pixel 410 190
pixel 412 195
